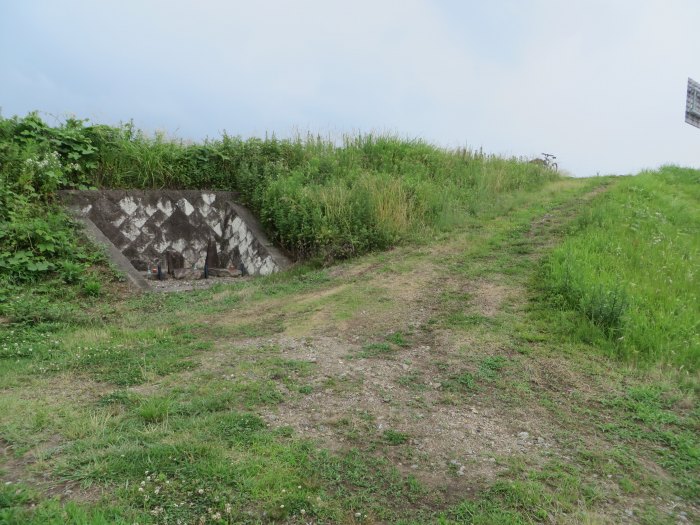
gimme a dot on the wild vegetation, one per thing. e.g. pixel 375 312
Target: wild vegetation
pixel 492 367
pixel 317 198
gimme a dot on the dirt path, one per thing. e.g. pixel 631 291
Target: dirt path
pixel 444 388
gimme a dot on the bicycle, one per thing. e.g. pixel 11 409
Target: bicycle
pixel 550 161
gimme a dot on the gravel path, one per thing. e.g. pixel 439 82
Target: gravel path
pixel 185 285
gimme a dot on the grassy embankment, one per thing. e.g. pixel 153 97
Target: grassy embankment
pixel 631 267
pixel 319 200
pixel 332 395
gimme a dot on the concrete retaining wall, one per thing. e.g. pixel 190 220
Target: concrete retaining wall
pixel 143 225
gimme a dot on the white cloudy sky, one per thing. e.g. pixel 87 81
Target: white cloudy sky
pixel 601 83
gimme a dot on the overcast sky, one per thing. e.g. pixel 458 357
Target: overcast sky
pixel 601 84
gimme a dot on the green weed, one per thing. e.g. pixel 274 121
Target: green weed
pixel 398 339
pixel 305 389
pixel 393 437
pixel 491 366
pixel 92 288
pixel 462 382
pixel 155 409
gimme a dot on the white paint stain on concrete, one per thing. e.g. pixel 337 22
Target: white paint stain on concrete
pixel 185 206
pixel 165 206
pixel 128 205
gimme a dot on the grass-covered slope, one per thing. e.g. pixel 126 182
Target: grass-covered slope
pixel 631 265
pixel 317 198
pixel 426 384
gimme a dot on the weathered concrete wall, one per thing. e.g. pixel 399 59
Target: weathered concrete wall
pixel 143 225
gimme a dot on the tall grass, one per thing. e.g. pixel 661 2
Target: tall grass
pixel 632 266
pixel 317 197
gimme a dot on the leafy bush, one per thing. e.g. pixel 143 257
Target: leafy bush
pixel 32 245
pixel 36 237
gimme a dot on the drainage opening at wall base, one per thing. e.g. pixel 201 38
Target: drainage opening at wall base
pixel 173 267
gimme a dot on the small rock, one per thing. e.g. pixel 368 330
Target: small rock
pixel 187 273
pixel 523 436
pixel 224 272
